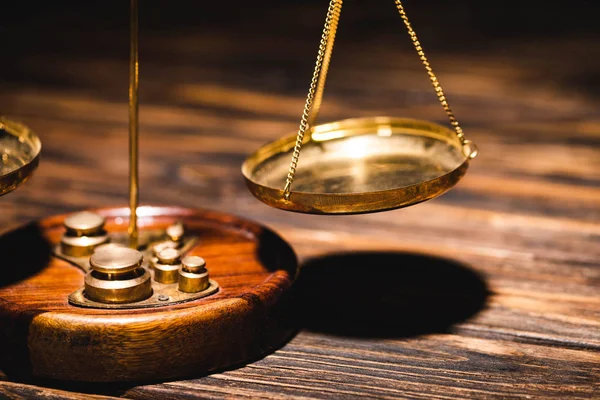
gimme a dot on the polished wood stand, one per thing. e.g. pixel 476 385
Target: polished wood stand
pixel 42 334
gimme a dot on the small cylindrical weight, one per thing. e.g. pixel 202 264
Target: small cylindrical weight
pixel 160 246
pixel 84 232
pixel 116 260
pixel 167 265
pixel 168 256
pixel 81 246
pixel 193 264
pixel 193 283
pixel 84 223
pixel 193 276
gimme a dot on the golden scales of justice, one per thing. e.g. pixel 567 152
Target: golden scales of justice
pixel 147 293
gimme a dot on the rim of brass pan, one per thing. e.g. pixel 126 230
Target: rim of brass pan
pixel 19 154
pixel 361 165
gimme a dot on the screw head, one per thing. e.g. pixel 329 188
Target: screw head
pixel 163 297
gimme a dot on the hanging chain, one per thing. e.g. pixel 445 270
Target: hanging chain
pixel 316 107
pixel 317 86
pixel 434 81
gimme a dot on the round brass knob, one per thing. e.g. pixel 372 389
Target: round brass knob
pixel 84 223
pixel 117 276
pixel 168 256
pixel 193 276
pixel 160 246
pixel 116 260
pixel 166 268
pixel 85 231
pixel 193 264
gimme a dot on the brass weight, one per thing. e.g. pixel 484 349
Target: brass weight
pixel 166 266
pixel 193 276
pixel 117 276
pixel 84 232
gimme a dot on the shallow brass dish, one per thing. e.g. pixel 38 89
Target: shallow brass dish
pixel 19 154
pixel 360 165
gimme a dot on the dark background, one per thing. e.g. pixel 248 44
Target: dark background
pixel 490 19
pixel 100 28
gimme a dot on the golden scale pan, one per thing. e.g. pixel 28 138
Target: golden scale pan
pixel 358 165
pixel 141 301
pixel 20 154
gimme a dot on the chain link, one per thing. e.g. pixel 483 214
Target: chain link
pixel 318 79
pixel 434 81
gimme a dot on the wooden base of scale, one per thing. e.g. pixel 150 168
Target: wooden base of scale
pixel 42 334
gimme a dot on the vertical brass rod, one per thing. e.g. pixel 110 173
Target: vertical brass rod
pixel 133 126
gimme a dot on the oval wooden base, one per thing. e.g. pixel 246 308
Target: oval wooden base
pixel 42 334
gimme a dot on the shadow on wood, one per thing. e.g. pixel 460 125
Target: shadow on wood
pixel 25 252
pixel 385 294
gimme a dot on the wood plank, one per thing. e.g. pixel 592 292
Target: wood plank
pixel 10 390
pixel 436 366
pixel 493 286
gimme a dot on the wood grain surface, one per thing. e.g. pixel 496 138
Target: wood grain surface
pixel 490 291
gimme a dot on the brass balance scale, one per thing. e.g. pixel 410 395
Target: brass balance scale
pixel 147 293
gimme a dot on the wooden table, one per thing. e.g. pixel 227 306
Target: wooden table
pixel 490 291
